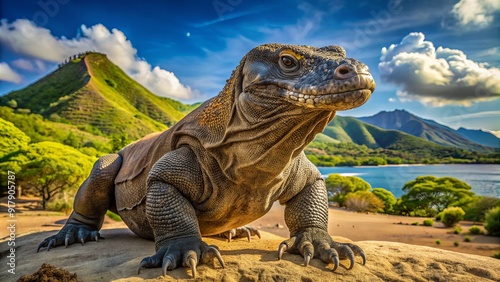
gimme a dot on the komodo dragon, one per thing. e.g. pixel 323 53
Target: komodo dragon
pixel 224 164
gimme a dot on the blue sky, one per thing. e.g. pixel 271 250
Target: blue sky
pixel 437 59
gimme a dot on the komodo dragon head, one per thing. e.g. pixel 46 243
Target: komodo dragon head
pixel 308 77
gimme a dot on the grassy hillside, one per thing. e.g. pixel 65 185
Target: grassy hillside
pixel 349 141
pixel 94 94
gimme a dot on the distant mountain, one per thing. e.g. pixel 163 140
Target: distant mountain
pixel 350 129
pixel 93 93
pixel 423 128
pixel 480 137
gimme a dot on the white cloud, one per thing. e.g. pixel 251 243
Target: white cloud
pixel 437 77
pixel 24 37
pixel 392 100
pixel 8 74
pixel 475 13
pixel 29 65
pixel 23 64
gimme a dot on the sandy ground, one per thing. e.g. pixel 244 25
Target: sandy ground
pixel 117 258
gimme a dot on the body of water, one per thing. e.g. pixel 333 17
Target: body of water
pixel 484 179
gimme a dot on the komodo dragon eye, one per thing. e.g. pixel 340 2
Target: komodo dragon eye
pixel 289 63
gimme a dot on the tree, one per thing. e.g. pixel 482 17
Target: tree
pixel 11 138
pixel 386 197
pixel 429 195
pixel 48 168
pixel 12 103
pixel 339 186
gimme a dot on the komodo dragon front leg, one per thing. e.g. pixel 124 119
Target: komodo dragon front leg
pixel 306 215
pixel 175 178
pixel 93 199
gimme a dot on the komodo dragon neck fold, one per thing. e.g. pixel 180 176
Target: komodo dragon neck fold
pixel 232 126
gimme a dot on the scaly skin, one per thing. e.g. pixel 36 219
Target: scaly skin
pixel 225 163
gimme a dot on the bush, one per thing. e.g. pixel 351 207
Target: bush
pixel 456 244
pixel 492 221
pixel 475 230
pixel 438 242
pixel 363 201
pixel 60 206
pixel 113 216
pixel 415 223
pixel 428 222
pixel 496 255
pixel 467 239
pixel 387 197
pixel 458 229
pixel 452 216
pixel 439 216
pixel 476 210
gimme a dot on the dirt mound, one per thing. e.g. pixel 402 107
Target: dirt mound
pixel 49 273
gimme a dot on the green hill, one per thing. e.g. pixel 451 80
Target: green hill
pixel 349 141
pixel 94 94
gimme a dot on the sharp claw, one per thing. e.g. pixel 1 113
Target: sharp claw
pixel 191 262
pixel 66 242
pixel 229 237
pixel 141 266
pixel 257 232
pixel 307 258
pixel 351 259
pixel 283 247
pixel 362 254
pixel 82 241
pixel 96 238
pixel 167 263
pixel 41 245
pixel 248 234
pixel 335 260
pixel 51 242
pixel 219 258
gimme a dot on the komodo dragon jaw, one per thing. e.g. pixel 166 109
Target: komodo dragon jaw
pixel 323 80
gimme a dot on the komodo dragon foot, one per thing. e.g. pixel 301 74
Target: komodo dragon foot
pixel 70 234
pixel 187 251
pixel 244 231
pixel 313 242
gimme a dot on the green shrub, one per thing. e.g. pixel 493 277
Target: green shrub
pixel 496 255
pixel 476 210
pixel 492 221
pixel 387 197
pixel 438 242
pixel 113 216
pixel 439 216
pixel 428 222
pixel 452 216
pixel 60 205
pixel 456 244
pixel 363 201
pixel 458 229
pixel 475 230
pixel 467 239
pixel 415 223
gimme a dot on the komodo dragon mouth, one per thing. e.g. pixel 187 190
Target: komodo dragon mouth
pixel 324 79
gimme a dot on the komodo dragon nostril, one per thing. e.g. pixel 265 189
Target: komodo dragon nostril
pixel 345 71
